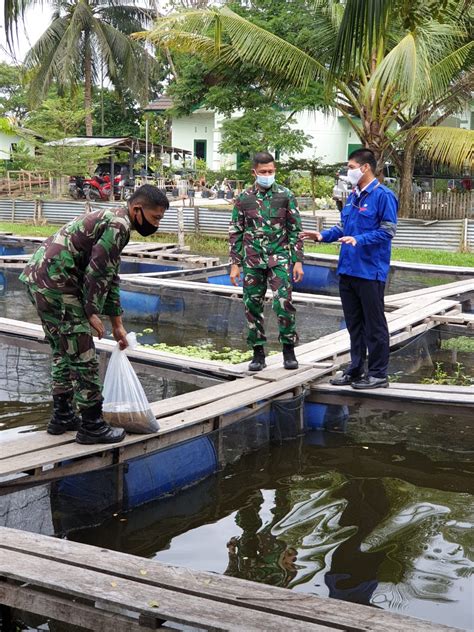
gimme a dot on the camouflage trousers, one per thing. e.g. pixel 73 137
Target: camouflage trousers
pixel 255 287
pixel 74 368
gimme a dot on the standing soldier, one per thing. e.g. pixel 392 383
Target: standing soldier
pixel 73 278
pixel 264 239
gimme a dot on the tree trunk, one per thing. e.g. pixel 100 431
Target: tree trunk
pixel 406 168
pixel 88 82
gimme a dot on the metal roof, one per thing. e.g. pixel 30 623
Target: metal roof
pixel 160 105
pixel 121 144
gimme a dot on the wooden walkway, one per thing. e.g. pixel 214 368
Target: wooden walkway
pixel 38 457
pixel 332 260
pixel 109 591
pixel 434 394
pixel 140 251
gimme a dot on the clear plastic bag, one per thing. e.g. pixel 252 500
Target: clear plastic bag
pixel 125 403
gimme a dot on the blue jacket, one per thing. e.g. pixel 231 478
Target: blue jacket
pixel 371 218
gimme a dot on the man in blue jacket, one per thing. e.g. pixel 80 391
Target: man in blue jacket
pixel 368 225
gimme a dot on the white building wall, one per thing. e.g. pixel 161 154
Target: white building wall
pixel 6 141
pixel 330 136
pixel 199 126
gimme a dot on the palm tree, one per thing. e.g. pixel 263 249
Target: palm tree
pixel 88 39
pixel 393 68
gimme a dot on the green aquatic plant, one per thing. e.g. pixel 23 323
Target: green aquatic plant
pixel 459 343
pixel 203 352
pixel 457 377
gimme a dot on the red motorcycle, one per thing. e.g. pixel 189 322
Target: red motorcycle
pixel 96 189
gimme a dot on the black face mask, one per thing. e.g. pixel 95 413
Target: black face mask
pixel 146 228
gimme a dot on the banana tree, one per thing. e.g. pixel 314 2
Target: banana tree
pixel 388 69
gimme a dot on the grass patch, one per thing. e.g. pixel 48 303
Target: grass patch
pixel 217 246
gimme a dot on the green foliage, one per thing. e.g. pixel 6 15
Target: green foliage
pixel 263 129
pixel 6 127
pixel 456 378
pixel 203 352
pixel 13 97
pixel 302 185
pixel 59 117
pixel 121 113
pixel 459 343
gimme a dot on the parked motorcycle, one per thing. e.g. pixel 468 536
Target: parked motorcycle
pixel 97 188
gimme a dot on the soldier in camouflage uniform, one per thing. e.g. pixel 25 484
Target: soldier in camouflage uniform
pixel 264 239
pixel 73 278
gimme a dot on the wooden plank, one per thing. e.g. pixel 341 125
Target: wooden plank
pixel 273 375
pixel 439 291
pixel 441 398
pixel 20 328
pixel 435 388
pixel 136 282
pixel 61 609
pixel 181 420
pixel 32 442
pixel 204 396
pixel 140 597
pixel 220 588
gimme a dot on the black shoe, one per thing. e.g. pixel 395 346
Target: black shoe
pixel 370 382
pixel 95 430
pixel 289 359
pixel 258 360
pixel 63 418
pixel 345 379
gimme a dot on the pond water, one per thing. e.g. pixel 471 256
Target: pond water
pixel 379 513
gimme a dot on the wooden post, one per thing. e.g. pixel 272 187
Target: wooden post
pixel 13 209
pixel 180 215
pixel 112 169
pixel 196 220
pixel 464 246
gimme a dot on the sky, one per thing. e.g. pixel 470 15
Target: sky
pixel 35 23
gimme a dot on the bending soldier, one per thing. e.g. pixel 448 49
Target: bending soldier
pixel 71 279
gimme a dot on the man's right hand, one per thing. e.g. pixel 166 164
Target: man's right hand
pixel 235 274
pixel 97 325
pixel 311 234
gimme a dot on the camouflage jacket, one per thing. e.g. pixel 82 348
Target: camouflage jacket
pixel 265 226
pixel 83 259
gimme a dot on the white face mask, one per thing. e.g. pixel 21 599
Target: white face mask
pixel 265 181
pixel 354 176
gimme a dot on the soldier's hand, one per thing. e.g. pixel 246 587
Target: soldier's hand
pixel 97 325
pixel 235 274
pixel 311 234
pixel 347 239
pixel 298 272
pixel 120 335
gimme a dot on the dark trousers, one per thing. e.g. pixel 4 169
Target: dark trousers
pixel 362 303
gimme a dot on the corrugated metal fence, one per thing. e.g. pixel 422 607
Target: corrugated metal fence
pixel 451 235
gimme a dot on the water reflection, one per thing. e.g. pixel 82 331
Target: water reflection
pixel 372 523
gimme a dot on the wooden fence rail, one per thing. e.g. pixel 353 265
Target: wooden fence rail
pixel 443 205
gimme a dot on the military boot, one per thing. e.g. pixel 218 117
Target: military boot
pixel 95 430
pixel 289 359
pixel 258 360
pixel 63 418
